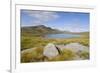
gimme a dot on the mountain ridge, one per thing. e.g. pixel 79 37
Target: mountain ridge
pixel 42 29
pixel 38 30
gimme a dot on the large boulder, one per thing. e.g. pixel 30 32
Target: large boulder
pixel 50 51
pixel 76 47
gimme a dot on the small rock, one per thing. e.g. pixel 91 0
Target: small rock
pixel 30 50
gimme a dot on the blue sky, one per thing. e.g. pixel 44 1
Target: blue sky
pixel 66 21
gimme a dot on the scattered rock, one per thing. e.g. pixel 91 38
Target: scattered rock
pixel 30 50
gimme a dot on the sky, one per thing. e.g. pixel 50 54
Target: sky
pixel 65 21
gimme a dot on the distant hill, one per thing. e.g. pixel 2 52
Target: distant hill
pixel 38 30
pixel 41 30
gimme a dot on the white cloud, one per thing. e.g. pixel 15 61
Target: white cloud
pixel 74 28
pixel 41 17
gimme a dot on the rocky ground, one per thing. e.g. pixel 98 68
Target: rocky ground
pixel 52 51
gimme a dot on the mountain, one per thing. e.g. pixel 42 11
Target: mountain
pixel 38 30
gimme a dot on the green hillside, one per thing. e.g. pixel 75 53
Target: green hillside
pixel 39 30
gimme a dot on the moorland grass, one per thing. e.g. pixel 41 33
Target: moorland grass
pixel 39 43
pixel 30 42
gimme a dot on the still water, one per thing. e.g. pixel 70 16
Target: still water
pixel 62 35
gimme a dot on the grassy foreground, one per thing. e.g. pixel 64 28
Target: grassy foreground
pixel 30 42
pixel 39 43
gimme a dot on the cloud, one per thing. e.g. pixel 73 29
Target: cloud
pixel 41 17
pixel 74 28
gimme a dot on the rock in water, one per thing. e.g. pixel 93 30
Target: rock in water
pixel 50 51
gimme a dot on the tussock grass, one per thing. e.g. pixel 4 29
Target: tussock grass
pixel 64 56
pixel 30 42
pixel 39 43
pixel 32 55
